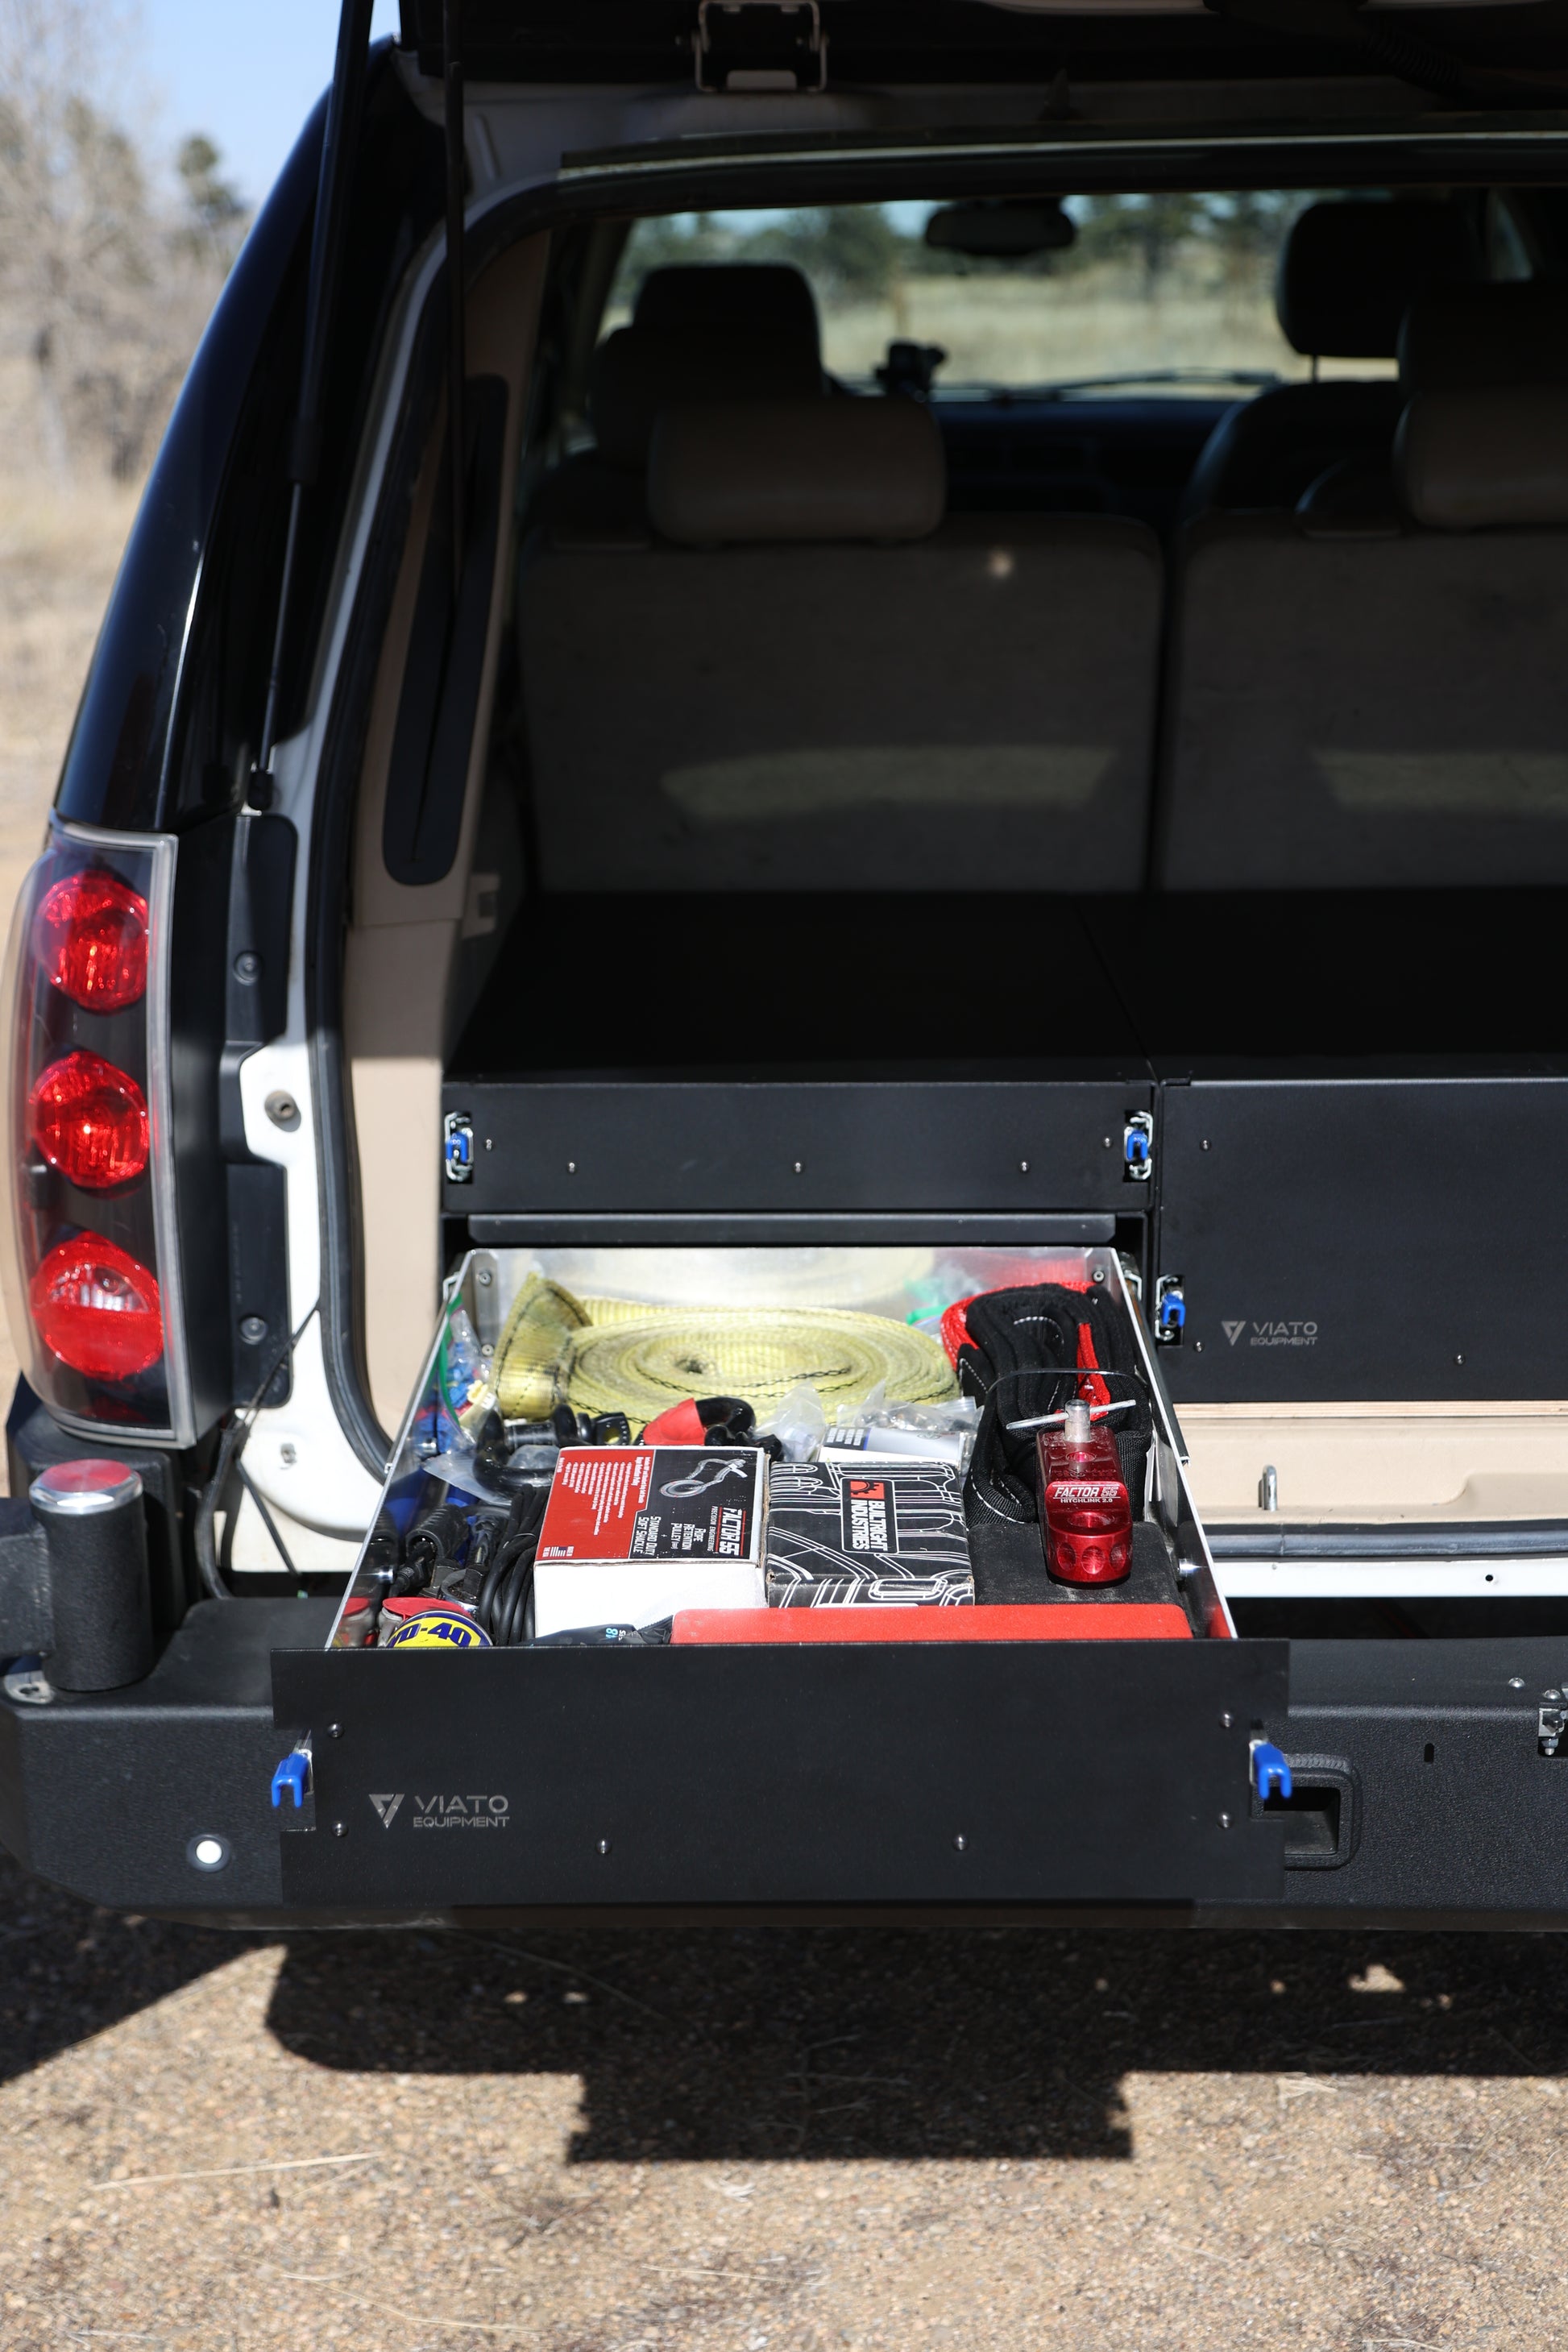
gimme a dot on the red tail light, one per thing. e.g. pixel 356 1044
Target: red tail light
pixel 91 939
pixel 88 1116
pixel 97 1309
pixel 90 1122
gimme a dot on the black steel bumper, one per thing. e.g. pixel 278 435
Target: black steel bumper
pixel 927 1781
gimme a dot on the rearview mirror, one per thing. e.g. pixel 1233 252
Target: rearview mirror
pixel 1007 229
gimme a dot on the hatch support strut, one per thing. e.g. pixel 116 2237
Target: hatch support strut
pixel 345 107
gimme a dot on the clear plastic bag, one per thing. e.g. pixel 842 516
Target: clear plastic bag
pixel 799 1423
pixel 942 1432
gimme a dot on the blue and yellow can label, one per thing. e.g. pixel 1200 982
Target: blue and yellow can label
pixel 439 1629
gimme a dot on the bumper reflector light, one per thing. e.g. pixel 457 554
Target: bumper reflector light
pixel 90 1122
pixel 97 1309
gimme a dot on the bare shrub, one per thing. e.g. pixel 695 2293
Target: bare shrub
pixel 104 283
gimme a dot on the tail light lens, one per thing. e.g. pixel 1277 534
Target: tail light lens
pixel 96 1309
pixel 89 938
pixel 90 1122
pixel 93 1288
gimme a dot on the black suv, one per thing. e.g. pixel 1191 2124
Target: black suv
pixel 852 653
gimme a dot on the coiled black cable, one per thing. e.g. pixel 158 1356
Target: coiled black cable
pixel 504 1596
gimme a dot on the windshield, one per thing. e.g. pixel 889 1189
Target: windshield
pixel 1173 290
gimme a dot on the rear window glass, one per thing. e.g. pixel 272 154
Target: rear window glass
pixel 1175 290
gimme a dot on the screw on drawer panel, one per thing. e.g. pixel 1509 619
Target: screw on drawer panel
pixel 1226 1722
pixel 335 1731
pixel 1225 1820
pixel 1516 1682
pixel 1023 1167
pixel 959 1845
pixel 340 1829
pixel 252 1329
pixel 603 1846
pixel 247 967
pixel 282 1109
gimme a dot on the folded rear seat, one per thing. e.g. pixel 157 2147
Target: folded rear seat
pixel 811 682
pixel 1365 699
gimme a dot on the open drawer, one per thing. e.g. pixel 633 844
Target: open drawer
pixel 984 1753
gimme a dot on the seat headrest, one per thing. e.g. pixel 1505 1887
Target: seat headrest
pixel 1457 338
pixel 1348 272
pixel 821 469
pixel 730 298
pixel 638 371
pixel 1489 457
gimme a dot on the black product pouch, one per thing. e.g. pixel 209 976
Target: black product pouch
pixel 1030 1329
pixel 1023 1361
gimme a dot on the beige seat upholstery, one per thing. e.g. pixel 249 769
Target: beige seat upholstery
pixel 1363 698
pixel 723 330
pixel 809 681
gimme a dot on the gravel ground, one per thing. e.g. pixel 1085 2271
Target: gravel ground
pixel 776 2136
pixel 772 2137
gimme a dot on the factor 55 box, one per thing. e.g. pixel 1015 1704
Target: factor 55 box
pixel 632 1533
pixel 889 1536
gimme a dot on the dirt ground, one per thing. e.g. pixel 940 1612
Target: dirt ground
pixel 862 2136
pixel 795 2139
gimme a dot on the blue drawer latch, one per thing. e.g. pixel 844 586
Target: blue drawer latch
pixel 1270 1771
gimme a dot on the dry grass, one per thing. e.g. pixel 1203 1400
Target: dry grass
pixel 58 550
pixel 1096 322
pixel 57 557
pixel 1047 329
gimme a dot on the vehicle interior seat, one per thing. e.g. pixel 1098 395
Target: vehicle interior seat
pixel 1348 272
pixel 721 331
pixel 812 681
pixel 1453 339
pixel 1371 700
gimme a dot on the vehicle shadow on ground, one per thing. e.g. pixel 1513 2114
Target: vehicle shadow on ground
pixel 68 1971
pixel 786 2042
pixel 778 2042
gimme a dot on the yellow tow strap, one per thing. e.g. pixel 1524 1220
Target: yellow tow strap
pixel 614 1356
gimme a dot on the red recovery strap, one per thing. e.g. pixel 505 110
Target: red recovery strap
pixel 1092 1392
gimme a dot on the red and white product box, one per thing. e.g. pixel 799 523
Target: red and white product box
pixel 632 1533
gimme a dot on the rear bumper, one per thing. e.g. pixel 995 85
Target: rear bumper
pixel 942 1782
